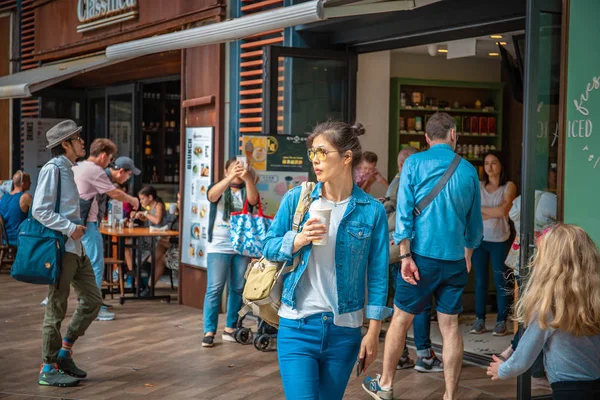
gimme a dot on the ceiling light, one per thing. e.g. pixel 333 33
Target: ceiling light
pixel 496 36
pixel 442 50
pixel 493 54
pixel 501 43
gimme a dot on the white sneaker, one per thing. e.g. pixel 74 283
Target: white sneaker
pixel 44 302
pixel 228 337
pixel 104 315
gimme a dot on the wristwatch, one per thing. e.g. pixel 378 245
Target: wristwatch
pixel 407 255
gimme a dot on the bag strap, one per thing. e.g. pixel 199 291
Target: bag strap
pixel 438 187
pixel 303 205
pixel 57 205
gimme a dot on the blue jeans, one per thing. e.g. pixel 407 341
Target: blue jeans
pixel 421 322
pixel 223 268
pixel 92 243
pixel 316 357
pixel 497 252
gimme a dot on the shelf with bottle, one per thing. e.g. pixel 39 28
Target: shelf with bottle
pixel 432 110
pixel 474 153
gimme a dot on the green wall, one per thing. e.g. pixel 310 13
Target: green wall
pixel 582 164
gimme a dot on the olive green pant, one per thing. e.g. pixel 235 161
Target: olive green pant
pixel 77 271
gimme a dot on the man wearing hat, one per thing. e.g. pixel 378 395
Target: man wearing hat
pixel 66 146
pixel 91 181
pixel 119 172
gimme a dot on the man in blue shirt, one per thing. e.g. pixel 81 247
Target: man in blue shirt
pixel 435 250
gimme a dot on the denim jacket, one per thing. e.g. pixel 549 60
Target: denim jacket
pixel 361 254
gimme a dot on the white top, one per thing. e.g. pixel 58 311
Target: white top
pixel 317 290
pixel 494 229
pixel 545 210
pixel 221 242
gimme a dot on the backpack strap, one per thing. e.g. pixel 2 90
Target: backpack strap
pixel 57 205
pixel 438 186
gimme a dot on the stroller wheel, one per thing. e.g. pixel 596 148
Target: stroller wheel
pixel 244 336
pixel 263 343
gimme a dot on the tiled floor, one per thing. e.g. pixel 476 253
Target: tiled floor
pixel 152 351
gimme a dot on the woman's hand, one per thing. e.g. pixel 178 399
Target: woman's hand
pixel 368 348
pixel 140 215
pixel 492 370
pixel 238 171
pixel 313 230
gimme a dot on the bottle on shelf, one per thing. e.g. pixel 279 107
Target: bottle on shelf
pixel 148 148
pixel 154 175
pixel 176 174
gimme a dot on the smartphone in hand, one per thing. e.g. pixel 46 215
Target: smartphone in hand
pixel 243 160
pixel 360 366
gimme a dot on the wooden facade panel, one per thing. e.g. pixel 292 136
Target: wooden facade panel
pixel 203 75
pixel 162 64
pixel 5 51
pixel 155 16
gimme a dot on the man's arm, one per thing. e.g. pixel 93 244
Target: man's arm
pixel 474 220
pixel 120 195
pixel 405 206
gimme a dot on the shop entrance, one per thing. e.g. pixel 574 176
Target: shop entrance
pixel 142 118
pixel 501 82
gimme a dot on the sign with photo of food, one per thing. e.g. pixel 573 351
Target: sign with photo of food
pixel 198 177
pixel 255 150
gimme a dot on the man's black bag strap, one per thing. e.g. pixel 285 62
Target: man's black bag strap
pixel 438 187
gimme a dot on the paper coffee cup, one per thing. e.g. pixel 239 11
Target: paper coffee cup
pixel 324 215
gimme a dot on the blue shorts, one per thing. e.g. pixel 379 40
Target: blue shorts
pixel 443 279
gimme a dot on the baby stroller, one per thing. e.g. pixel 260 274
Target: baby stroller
pixel 265 338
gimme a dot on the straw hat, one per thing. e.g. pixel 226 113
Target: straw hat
pixel 61 132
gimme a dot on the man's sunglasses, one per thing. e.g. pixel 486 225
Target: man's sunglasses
pixel 79 138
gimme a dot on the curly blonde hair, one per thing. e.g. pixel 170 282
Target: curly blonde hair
pixel 563 289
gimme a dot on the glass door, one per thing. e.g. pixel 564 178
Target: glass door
pixel 123 121
pixel 542 56
pixel 303 87
pixel 96 115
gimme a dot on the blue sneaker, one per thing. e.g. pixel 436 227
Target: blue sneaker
pixel 372 387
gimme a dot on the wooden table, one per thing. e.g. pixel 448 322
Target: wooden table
pixel 138 245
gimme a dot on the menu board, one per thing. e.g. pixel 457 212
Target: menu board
pixel 197 178
pixel 281 162
pixel 36 153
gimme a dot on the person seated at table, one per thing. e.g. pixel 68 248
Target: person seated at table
pixel 171 256
pixel 15 205
pixel 154 216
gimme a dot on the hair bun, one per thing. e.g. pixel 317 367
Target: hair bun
pixel 358 129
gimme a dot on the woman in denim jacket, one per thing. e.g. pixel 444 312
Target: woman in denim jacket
pixel 323 299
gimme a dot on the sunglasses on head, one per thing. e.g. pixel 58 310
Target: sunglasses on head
pixel 319 153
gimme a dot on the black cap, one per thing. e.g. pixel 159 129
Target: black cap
pixel 127 164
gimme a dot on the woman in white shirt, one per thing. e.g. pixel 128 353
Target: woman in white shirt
pixel 497 195
pixel 323 299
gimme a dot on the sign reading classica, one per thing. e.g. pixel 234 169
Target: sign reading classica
pixel 94 14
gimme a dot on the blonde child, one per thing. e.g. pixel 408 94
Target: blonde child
pixel 561 310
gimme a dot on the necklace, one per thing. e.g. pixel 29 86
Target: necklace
pixel 336 204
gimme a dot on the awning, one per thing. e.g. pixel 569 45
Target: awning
pixel 239 28
pixel 23 84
